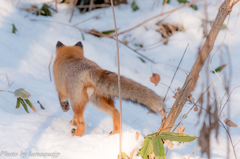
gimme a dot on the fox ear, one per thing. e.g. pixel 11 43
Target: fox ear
pixel 59 44
pixel 79 44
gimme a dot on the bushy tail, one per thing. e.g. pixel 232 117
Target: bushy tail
pixel 107 86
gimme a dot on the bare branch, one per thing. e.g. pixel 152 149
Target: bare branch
pixel 192 78
pixel 188 4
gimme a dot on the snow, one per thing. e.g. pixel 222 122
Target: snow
pixel 25 58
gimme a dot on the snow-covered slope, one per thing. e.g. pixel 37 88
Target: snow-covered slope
pixel 25 57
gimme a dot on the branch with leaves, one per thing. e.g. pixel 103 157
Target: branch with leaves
pixel 22 98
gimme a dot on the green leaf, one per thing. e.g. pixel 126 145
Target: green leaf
pixel 147 147
pixel 124 156
pixel 142 60
pixel 184 116
pixel 30 105
pixel 134 6
pixel 108 32
pixel 224 27
pixel 158 148
pixel 21 93
pixel 168 1
pixel 45 10
pixel 182 1
pixel 194 7
pixel 18 103
pixel 139 45
pixel 14 29
pixel 220 68
pixel 24 105
pixel 179 137
pixel 82 35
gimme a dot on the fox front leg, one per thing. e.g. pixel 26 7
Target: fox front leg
pixel 64 103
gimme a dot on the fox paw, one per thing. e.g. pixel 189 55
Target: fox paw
pixel 65 106
pixel 73 132
pixel 112 133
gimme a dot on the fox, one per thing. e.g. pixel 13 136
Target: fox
pixel 82 80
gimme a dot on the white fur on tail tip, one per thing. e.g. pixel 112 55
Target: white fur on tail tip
pixel 90 91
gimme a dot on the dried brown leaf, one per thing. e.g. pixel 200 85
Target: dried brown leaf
pixel 175 97
pixel 170 145
pixel 163 112
pixel 195 108
pixel 181 130
pixel 152 156
pixel 137 135
pixel 155 78
pixel 230 123
pixel 131 154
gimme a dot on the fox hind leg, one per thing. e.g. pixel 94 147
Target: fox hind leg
pixel 107 106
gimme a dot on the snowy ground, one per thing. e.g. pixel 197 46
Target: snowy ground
pixel 25 57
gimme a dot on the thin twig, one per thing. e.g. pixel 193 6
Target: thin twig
pixel 40 104
pixel 188 4
pixel 91 5
pixel 103 35
pixel 233 32
pixel 94 6
pixel 6 91
pixel 119 84
pixel 228 133
pixel 193 152
pixel 96 16
pixel 74 6
pixel 217 50
pixel 56 6
pixel 165 1
pixel 196 102
pixel 227 101
pixel 236 2
pixel 236 144
pixel 175 72
pixel 9 85
pixel 49 67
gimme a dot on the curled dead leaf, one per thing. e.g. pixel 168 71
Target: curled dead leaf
pixel 230 123
pixel 137 135
pixel 163 112
pixel 195 108
pixel 155 78
pixel 170 145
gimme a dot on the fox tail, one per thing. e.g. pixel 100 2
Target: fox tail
pixel 107 86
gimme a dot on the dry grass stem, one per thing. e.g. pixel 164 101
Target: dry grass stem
pixel 9 85
pixel 175 72
pixel 227 101
pixel 165 1
pixel 74 6
pixel 119 84
pixel 233 32
pixel 193 152
pixel 49 67
pixel 216 52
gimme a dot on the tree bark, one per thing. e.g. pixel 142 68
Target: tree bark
pixel 191 80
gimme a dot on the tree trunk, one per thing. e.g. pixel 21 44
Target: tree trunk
pixel 191 80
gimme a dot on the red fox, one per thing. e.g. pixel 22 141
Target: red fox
pixel 84 81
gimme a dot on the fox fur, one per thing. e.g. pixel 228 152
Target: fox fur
pixel 82 80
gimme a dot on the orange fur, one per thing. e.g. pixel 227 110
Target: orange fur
pixel 84 81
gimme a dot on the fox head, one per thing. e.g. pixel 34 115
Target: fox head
pixel 77 49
